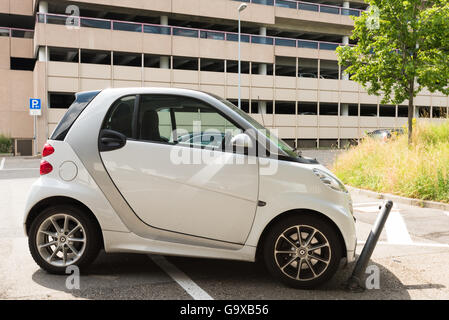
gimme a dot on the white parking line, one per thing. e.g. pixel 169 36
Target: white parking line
pixel 181 278
pixel 370 209
pixel 361 204
pixel 395 226
pixel 2 164
pixel 396 229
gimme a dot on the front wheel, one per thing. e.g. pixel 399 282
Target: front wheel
pixel 303 251
pixel 62 236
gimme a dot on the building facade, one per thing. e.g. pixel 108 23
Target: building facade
pixel 290 79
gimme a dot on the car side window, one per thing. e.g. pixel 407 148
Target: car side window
pixel 184 121
pixel 199 125
pixel 120 116
pixel 155 119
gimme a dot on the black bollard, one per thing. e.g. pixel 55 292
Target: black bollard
pixel 354 282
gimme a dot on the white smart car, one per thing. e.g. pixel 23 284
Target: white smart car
pixel 117 175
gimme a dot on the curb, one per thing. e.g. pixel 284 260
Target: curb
pixel 399 199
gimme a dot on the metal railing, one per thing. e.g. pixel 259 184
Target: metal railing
pixel 16 33
pixel 308 6
pixel 74 21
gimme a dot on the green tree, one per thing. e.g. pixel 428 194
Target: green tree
pixel 402 48
pixel 5 144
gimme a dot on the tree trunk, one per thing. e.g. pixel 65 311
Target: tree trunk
pixel 410 111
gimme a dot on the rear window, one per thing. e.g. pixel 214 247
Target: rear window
pixel 80 103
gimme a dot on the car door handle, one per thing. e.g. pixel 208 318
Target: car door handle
pixel 111 140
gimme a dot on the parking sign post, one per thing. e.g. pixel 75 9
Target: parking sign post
pixel 35 110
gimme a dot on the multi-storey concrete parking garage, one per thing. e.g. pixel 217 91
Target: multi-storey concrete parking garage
pixel 290 76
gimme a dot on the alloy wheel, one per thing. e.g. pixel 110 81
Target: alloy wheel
pixel 302 252
pixel 61 240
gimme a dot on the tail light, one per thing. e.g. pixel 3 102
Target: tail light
pixel 45 167
pixel 48 150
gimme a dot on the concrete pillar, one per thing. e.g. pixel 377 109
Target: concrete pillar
pixel 263 66
pixel 416 112
pixel 262 105
pixel 43 7
pixel 345 41
pixel 263 71
pixel 344 109
pixel 42 54
pixel 345 5
pixel 164 62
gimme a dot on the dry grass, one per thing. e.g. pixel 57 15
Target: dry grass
pixel 420 171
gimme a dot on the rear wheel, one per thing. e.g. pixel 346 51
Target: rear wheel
pixel 62 236
pixel 302 251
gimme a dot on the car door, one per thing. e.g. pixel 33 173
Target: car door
pixel 172 178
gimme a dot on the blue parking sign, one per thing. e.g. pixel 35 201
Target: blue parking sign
pixel 35 107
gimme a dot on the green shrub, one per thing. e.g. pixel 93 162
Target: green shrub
pixel 418 171
pixel 5 144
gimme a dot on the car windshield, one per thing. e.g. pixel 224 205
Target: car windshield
pixel 284 147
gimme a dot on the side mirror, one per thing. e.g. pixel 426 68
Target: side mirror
pixel 242 140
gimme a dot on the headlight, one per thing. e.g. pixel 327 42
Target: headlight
pixel 330 181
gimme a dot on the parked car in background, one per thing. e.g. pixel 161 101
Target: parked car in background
pixel 307 75
pixel 202 139
pixel 327 76
pixel 397 131
pixel 314 75
pixel 385 134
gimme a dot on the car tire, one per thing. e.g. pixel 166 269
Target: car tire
pixel 77 242
pixel 307 262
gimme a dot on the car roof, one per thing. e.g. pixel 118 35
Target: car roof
pixel 155 90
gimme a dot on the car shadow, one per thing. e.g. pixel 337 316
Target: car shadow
pixel 136 276
pixel 115 276
pixel 241 280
